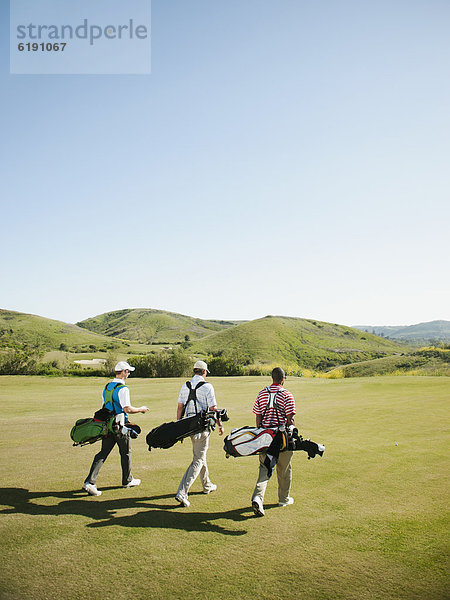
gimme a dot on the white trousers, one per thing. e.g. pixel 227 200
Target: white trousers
pixel 198 466
pixel 284 476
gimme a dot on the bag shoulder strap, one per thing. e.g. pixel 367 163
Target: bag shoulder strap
pixel 192 395
pixel 109 394
pixel 272 403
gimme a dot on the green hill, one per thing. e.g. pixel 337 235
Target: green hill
pixel 150 326
pixel 305 342
pixel 287 340
pixel 426 361
pixel 18 329
pixel 421 333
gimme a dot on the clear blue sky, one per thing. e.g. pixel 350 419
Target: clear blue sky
pixel 287 158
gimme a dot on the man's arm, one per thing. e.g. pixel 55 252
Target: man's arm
pixel 290 408
pixel 212 405
pixel 179 410
pixel 131 410
pixel 124 399
pixel 258 420
pixel 219 422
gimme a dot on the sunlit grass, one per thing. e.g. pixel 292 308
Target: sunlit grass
pixel 369 519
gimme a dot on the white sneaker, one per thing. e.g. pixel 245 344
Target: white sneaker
pixel 182 500
pixel 257 507
pixel 212 488
pixel 91 489
pixel 288 501
pixel 133 483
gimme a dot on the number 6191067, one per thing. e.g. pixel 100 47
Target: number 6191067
pixel 43 46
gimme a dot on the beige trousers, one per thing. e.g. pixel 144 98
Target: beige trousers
pixel 198 466
pixel 284 475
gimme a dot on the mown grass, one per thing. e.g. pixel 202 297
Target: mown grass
pixel 369 519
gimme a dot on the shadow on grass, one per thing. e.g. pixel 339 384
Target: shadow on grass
pixel 158 514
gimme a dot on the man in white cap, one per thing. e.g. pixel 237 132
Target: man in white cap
pixel 116 397
pixel 204 400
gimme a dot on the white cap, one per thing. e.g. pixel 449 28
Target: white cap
pixel 122 366
pixel 200 364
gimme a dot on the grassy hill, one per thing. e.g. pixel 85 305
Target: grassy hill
pixel 305 342
pixel 421 333
pixel 426 361
pixel 293 342
pixel 18 329
pixel 150 326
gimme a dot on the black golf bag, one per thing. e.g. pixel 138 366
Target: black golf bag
pixel 168 434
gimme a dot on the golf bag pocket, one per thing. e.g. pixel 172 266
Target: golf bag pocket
pixel 88 431
pixel 246 441
pixel 103 414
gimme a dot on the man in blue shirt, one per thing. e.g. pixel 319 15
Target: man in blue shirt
pixel 116 397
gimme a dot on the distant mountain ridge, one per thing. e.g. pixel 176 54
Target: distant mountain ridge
pixel 419 333
pixel 280 339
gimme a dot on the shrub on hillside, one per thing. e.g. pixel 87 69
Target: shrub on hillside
pixel 229 363
pixel 442 353
pixel 108 366
pixel 85 372
pixel 172 363
pixel 19 361
pixel 224 366
pixel 48 368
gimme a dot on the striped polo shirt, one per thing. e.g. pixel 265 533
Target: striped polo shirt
pixel 284 400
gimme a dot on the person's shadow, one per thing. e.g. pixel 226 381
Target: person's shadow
pixel 102 512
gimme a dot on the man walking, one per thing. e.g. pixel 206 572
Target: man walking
pixel 116 397
pixel 205 400
pixel 274 406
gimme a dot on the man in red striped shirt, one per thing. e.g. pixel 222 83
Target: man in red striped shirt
pixel 274 406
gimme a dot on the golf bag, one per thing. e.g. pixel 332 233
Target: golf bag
pixel 248 441
pixel 168 434
pixel 296 442
pixel 88 431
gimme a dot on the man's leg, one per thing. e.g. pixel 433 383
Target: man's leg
pixel 284 474
pixel 263 478
pixel 125 458
pixel 200 444
pixel 108 443
pixel 203 445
